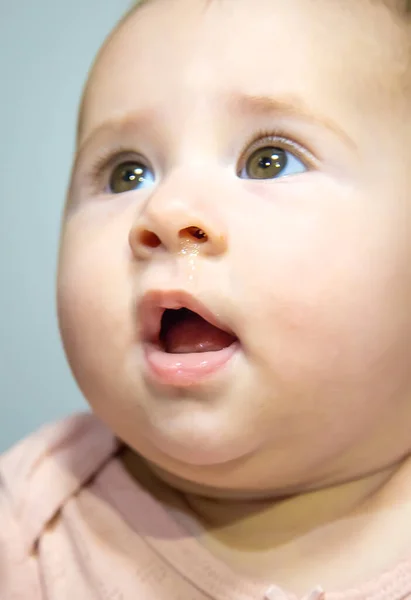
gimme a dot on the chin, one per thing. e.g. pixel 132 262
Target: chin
pixel 193 446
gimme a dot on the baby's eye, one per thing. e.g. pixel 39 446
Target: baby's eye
pixel 270 163
pixel 129 176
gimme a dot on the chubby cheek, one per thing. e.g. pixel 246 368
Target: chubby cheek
pixel 95 303
pixel 328 296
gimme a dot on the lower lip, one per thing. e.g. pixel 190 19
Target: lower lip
pixel 184 370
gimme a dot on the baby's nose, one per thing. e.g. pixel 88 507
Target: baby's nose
pixel 175 228
pixel 146 240
pixel 193 234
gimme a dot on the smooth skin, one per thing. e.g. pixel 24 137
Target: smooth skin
pixel 294 458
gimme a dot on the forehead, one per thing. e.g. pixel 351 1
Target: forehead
pixel 184 53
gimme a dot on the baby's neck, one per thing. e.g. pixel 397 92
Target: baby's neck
pixel 337 537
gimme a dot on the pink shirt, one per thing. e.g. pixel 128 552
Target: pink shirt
pixel 75 526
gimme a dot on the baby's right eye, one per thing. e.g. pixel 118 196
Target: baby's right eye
pixel 131 175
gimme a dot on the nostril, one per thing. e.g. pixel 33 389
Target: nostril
pixel 194 233
pixel 149 239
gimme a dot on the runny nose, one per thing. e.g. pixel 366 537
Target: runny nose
pixel 194 234
pixel 146 240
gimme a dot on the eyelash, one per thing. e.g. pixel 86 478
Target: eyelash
pixel 264 138
pixel 109 158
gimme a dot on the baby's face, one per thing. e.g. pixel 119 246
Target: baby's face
pixel 252 166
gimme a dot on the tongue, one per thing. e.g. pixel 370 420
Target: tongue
pixel 193 334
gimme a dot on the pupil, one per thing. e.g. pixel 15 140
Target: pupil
pixel 273 160
pixel 132 175
pixel 265 163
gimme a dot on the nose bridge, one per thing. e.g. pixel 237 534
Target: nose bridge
pixel 170 209
pixel 178 213
pixel 176 205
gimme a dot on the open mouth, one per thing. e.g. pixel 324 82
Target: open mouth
pixel 184 343
pixel 184 331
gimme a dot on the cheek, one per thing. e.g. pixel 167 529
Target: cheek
pixel 327 285
pixel 94 298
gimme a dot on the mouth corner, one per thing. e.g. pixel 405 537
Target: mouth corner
pixel 150 315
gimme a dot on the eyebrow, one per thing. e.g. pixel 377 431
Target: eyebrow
pixel 235 103
pixel 288 106
pixel 115 125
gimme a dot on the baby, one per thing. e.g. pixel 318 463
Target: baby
pixel 234 298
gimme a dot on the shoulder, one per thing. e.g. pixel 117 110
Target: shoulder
pixel 41 472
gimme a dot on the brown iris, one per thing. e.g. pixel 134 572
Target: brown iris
pixel 128 176
pixel 266 163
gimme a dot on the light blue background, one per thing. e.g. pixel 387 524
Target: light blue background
pixel 47 47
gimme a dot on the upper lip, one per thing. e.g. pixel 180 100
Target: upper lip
pixel 153 305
